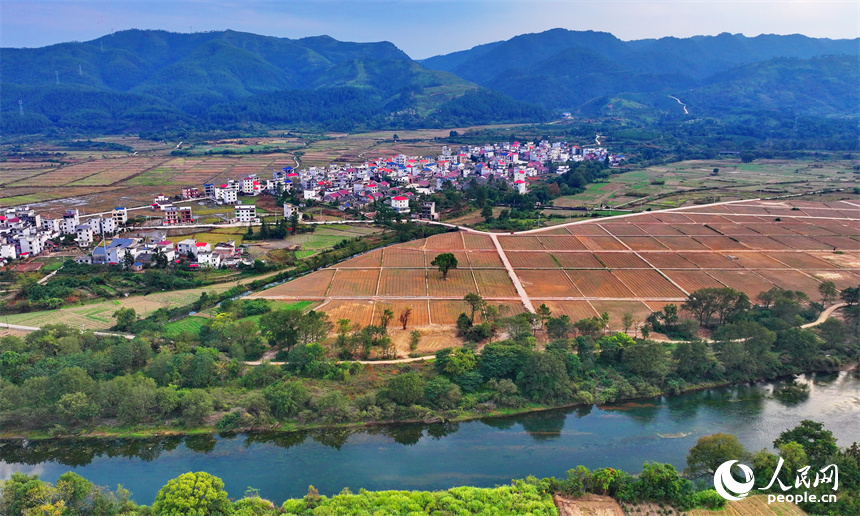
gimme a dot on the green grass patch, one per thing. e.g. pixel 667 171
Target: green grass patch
pixel 191 324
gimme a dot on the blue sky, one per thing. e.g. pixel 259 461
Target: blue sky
pixel 423 28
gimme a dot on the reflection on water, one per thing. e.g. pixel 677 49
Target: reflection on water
pixel 436 456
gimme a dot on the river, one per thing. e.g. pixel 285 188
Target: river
pixel 480 453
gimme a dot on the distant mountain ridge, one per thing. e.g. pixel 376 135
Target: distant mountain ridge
pixel 149 80
pixel 563 69
pixel 146 79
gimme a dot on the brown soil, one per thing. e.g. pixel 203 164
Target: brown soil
pixel 587 505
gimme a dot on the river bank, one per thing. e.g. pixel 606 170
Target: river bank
pixel 293 426
pixel 482 452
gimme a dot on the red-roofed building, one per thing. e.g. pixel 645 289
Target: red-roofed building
pixel 400 204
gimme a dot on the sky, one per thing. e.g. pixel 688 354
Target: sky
pixel 423 28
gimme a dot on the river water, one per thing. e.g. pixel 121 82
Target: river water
pixel 480 453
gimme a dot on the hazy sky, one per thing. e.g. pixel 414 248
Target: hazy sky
pixel 423 28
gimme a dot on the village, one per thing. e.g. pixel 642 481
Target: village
pixel 399 182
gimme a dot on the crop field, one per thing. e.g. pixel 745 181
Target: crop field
pixel 600 283
pixel 601 243
pixel 489 259
pixel 394 257
pixel 747 282
pixel 97 185
pixel 756 505
pixel 419 315
pixel 548 283
pixel 576 310
pixel 644 243
pixel 687 182
pixel 532 260
pixel 691 280
pixel 621 261
pixel 494 283
pixel 444 242
pixel 459 283
pixel 578 261
pixel 520 243
pixel 476 242
pixel 371 259
pixel 590 271
pixel 404 282
pixel 561 243
pixel 647 284
pixel 354 282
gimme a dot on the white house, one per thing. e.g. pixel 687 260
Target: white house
pixel 246 213
pixel 400 204
pixel 289 209
pixel 119 216
pixel 186 246
pixel 84 234
pixel 520 185
pixel 71 220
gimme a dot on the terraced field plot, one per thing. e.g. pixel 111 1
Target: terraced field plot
pixel 585 268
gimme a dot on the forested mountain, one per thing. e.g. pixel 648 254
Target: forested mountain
pixel 147 80
pixel 140 80
pixel 562 69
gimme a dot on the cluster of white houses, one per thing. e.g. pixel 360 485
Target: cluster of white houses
pixel 137 253
pixel 394 180
pixel 25 233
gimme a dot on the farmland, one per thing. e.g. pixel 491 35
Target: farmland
pixel 632 264
pixel 687 182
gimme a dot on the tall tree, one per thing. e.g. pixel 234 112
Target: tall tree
pixel 475 302
pixel 445 262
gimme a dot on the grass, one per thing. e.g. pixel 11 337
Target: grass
pixel 674 181
pixel 191 324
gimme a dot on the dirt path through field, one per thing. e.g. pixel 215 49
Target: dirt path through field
pixel 519 286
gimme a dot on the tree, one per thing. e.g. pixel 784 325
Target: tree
pixel 850 295
pixel 444 262
pixel 280 327
pixel 818 443
pixel 828 292
pixel 712 450
pixel 558 327
pixel 125 318
pixel 404 316
pixel 627 321
pixel 476 303
pixel 294 221
pixel 406 389
pixel 544 377
pixel 286 398
pixel 196 406
pixel 414 339
pixel 544 313
pixel 192 494
pixel 385 317
pixel 724 303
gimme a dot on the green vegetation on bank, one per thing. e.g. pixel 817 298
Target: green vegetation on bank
pixel 61 381
pixel 199 493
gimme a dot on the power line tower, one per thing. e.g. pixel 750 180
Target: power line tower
pixel 20 107
pixel 57 74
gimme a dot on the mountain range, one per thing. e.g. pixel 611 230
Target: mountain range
pixel 139 80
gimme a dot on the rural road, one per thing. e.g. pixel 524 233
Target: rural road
pixel 682 104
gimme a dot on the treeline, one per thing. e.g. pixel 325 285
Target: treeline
pixel 84 110
pixel 809 445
